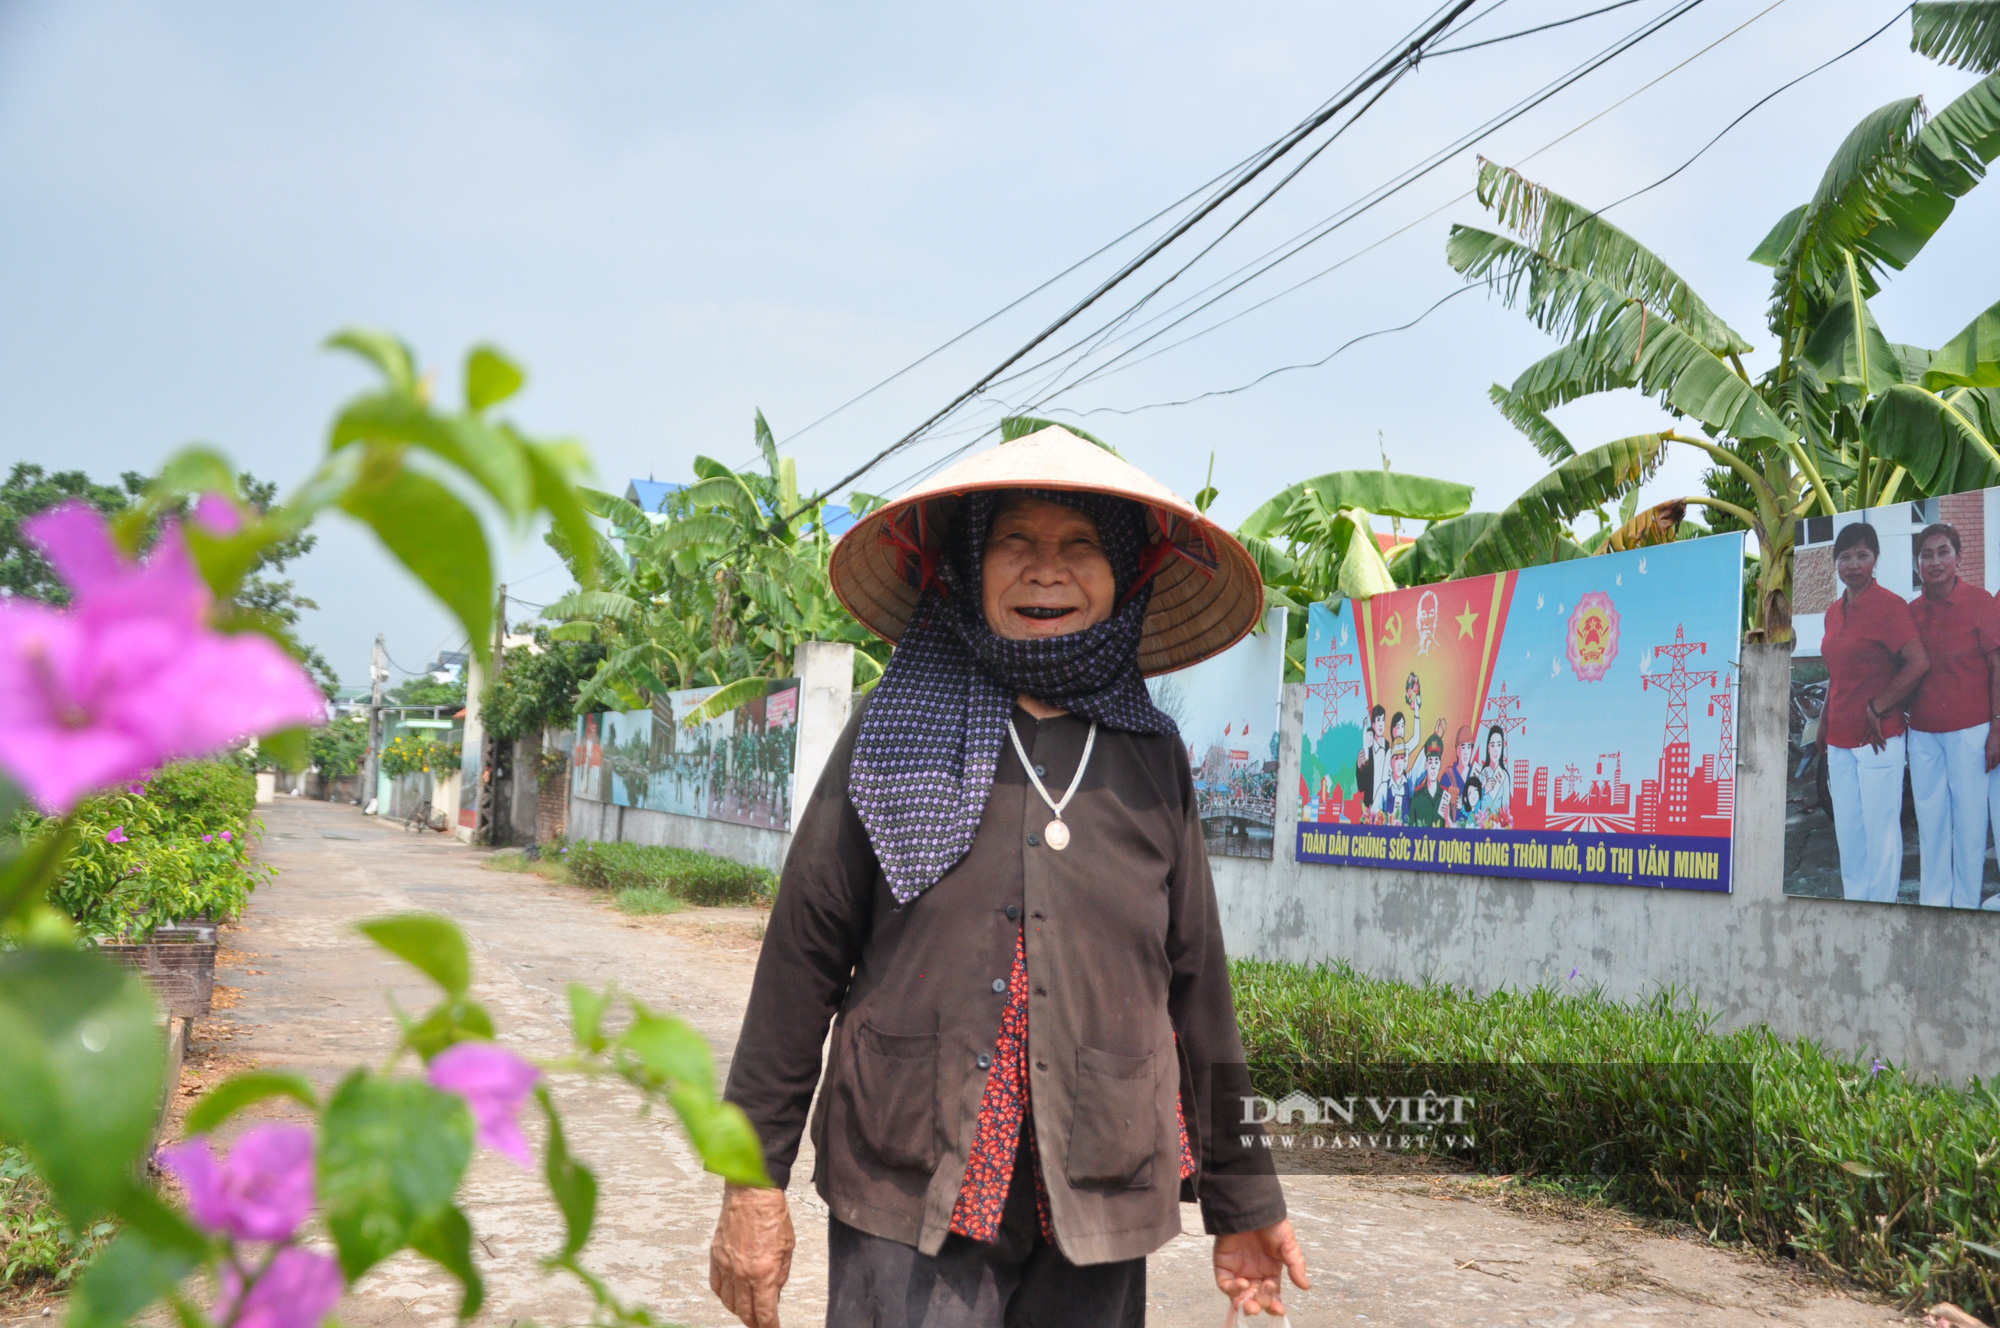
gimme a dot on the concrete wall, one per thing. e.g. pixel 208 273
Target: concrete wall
pixel 1917 986
pixel 826 694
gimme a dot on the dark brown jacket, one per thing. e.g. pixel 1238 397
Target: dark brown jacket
pixel 1124 951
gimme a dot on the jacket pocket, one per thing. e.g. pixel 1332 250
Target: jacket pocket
pixel 1114 1132
pixel 892 1097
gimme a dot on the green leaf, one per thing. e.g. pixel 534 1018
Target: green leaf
pixel 586 1017
pixel 727 698
pixel 1362 573
pixel 1974 1245
pixel 572 1183
pixel 1964 33
pixel 30 864
pixel 82 1069
pixel 723 1135
pixel 728 492
pixel 1384 493
pixel 450 1023
pixel 1437 553
pixel 391 1154
pixel 1848 347
pixel 490 378
pixel 701 531
pixel 1972 358
pixel 1020 426
pixel 1655 356
pixel 1544 437
pixel 767 446
pixel 431 942
pixel 1939 439
pixel 1770 250
pixel 239 1091
pixel 446 1240
pixel 438 538
pixel 574 631
pixel 383 350
pixel 594 604
pixel 1866 1173
pixel 668 1050
pixel 126 1277
pixel 1532 529
pixel 1569 236
pixel 491 456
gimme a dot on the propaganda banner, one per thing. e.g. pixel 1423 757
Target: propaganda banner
pixel 1574 722
pixel 1227 711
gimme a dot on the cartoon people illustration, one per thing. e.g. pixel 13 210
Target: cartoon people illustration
pixel 1496 784
pixel 1468 803
pixel 1430 804
pixel 1371 765
pixel 1455 777
pixel 1392 795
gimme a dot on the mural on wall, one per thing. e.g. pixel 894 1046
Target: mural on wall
pixel 1891 793
pixel 1573 722
pixel 1227 710
pixel 737 767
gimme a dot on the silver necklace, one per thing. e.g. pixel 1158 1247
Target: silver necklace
pixel 1055 832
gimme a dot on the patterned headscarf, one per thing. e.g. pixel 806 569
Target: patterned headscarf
pixel 931 736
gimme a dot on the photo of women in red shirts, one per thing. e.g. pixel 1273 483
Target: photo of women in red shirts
pixel 1874 660
pixel 1953 743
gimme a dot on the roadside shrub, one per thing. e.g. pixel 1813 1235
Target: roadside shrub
pixel 1851 1166
pixel 35 1245
pixel 171 848
pixel 698 878
pixel 406 755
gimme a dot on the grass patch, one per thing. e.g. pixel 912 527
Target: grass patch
pixel 35 1249
pixel 648 899
pixel 688 875
pixel 514 860
pixel 1849 1166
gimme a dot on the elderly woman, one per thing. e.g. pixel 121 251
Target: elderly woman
pixel 1953 742
pixel 999 897
pixel 1873 660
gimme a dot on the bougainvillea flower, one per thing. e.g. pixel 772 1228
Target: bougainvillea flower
pixel 262 1191
pixel 227 837
pixel 216 514
pixel 495 1083
pixel 139 788
pixel 115 835
pixel 298 1290
pixel 133 676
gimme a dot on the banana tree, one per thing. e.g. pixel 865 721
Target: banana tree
pixel 717 590
pixel 1845 418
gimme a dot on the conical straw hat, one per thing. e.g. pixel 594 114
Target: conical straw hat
pixel 1207 594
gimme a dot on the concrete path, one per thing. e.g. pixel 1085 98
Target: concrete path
pixel 311 998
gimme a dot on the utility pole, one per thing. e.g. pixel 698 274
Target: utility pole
pixel 378 673
pixel 489 746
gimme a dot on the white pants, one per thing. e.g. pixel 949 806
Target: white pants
pixel 1867 791
pixel 1949 785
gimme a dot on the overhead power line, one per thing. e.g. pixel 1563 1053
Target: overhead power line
pixel 1465 290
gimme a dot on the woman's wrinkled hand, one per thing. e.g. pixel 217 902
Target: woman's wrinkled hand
pixel 750 1257
pixel 1247 1265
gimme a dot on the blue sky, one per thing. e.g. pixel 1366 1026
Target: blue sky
pixel 676 214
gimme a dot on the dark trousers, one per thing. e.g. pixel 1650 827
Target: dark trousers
pixel 1022 1281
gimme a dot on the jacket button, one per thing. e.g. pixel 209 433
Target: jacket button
pixel 999 985
pixel 985 1062
pixel 1033 839
pixel 1013 912
pixel 1041 772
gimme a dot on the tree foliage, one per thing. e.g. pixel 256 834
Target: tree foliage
pixel 537 688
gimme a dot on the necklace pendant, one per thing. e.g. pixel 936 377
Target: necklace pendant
pixel 1057 835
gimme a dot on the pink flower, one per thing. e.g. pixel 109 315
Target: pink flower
pixel 226 837
pixel 495 1083
pixel 208 839
pixel 217 515
pixel 115 835
pixel 139 788
pixel 133 676
pixel 262 1191
pixel 298 1290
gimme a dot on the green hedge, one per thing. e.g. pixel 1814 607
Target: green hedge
pixel 35 1243
pixel 699 878
pixel 1855 1167
pixel 172 847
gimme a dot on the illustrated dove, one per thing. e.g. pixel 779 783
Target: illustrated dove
pixel 1556 667
pixel 1642 567
pixel 1538 601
